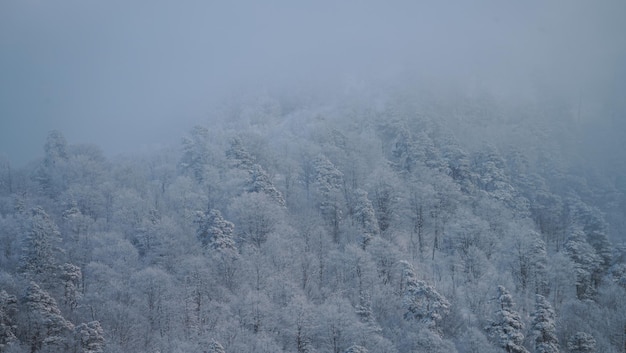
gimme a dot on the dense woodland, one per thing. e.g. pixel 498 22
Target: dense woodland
pixel 409 221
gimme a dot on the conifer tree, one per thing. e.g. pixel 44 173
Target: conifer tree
pixel 543 327
pixel 356 349
pixel 329 182
pixel 215 347
pixel 50 173
pixel 581 342
pixel 422 302
pixel 506 330
pixel 196 155
pixel 260 182
pixel 89 337
pixel 46 327
pixel 238 155
pixel 71 276
pixel 365 217
pixel 215 232
pixel 586 263
pixel 41 247
pixel 8 308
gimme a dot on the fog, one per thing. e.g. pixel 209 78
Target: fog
pixel 131 76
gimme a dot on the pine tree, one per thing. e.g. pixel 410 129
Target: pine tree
pixel 506 330
pixel 543 327
pixel 366 315
pixel 329 182
pixel 196 154
pixel 238 155
pixel 215 347
pixel 365 217
pixel 581 342
pixel 384 202
pixel 260 182
pixel 586 263
pixel 356 349
pixel 215 232
pixel 41 246
pixel 422 302
pixel 89 337
pixel 50 173
pixel 46 327
pixel 8 309
pixel 71 276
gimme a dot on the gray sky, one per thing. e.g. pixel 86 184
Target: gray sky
pixel 130 74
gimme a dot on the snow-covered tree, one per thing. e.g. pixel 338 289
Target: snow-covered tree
pixel 593 225
pixel 260 182
pixel 215 347
pixel 365 217
pixel 329 182
pixel 356 349
pixel 89 338
pixel 581 342
pixel 422 302
pixel 8 309
pixel 507 328
pixel 255 216
pixel 46 329
pixel 40 249
pixel 196 153
pixel 459 165
pixel 55 148
pixel 50 174
pixel 71 275
pixel 364 311
pixel 385 202
pixel 529 262
pixel 215 232
pixel 586 263
pixel 299 314
pixel 238 155
pixel 543 327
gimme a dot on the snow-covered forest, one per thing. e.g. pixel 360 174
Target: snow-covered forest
pixel 408 176
pixel 396 220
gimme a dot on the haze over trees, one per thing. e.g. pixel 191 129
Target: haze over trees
pixel 350 227
pixel 415 177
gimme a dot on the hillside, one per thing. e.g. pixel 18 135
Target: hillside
pixel 371 223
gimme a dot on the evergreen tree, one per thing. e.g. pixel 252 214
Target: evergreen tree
pixel 543 327
pixel 365 217
pixel 72 277
pixel 530 263
pixel 356 349
pixel 329 182
pixel 50 173
pixel 8 309
pixel 421 301
pixel 46 328
pixel 385 203
pixel 366 315
pixel 506 330
pixel 89 338
pixel 196 153
pixel 586 263
pixel 215 347
pixel 492 177
pixel 215 232
pixel 239 156
pixel 260 182
pixel 581 342
pixel 41 247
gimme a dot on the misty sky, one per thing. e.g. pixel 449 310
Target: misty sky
pixel 130 75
